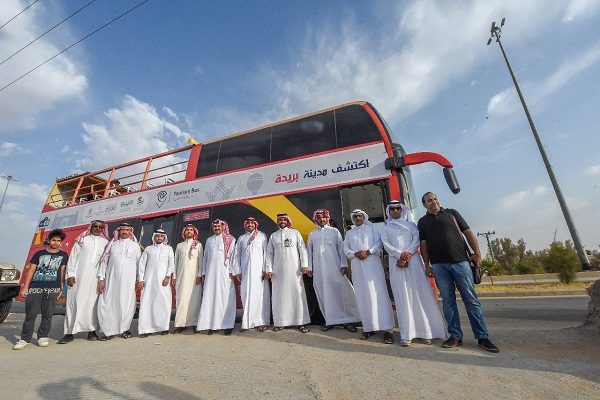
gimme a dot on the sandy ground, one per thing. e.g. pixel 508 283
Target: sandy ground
pixel 543 356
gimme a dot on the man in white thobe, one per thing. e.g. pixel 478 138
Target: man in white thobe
pixel 156 265
pixel 116 283
pixel 249 267
pixel 286 263
pixel 217 311
pixel 186 279
pixel 82 270
pixel 362 246
pixel 417 308
pixel 328 266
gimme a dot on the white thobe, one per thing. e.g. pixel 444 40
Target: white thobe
pixel 372 297
pixel 156 263
pixel 254 290
pixel 217 310
pixel 286 253
pixel 188 294
pixel 416 305
pixel 116 305
pixel 81 314
pixel 334 291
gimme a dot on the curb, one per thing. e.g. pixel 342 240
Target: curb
pixel 557 293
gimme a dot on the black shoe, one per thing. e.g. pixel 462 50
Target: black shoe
pixel 126 335
pixel 144 335
pixel 227 332
pixel 326 328
pixel 210 332
pixel 92 336
pixel 488 345
pixel 451 342
pixel 179 329
pixel 66 339
pixel 105 338
pixel 164 333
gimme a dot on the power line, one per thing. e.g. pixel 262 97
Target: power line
pixel 21 12
pixel 74 44
pixel 44 34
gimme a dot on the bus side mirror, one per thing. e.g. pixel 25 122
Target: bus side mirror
pixel 451 180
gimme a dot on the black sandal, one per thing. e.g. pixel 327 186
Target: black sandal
pixel 326 328
pixel 350 328
pixel 365 335
pixel 126 335
pixel 388 338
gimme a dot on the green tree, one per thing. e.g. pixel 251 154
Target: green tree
pixel 562 258
pixel 491 268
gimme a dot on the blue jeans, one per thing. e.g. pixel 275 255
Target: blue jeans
pixel 459 276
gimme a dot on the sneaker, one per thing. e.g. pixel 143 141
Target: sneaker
pixel 43 342
pixel 20 344
pixel 451 342
pixel 65 339
pixel 405 343
pixel 488 345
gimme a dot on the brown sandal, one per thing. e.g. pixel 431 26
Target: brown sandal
pixel 277 328
pixel 303 329
pixel 262 328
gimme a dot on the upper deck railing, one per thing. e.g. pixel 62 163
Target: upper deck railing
pixel 160 169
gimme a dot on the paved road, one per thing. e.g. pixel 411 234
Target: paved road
pixel 543 355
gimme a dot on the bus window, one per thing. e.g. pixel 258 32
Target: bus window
pixel 209 155
pixel 354 126
pixel 368 197
pixel 312 134
pixel 245 151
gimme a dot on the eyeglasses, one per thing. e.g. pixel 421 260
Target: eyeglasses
pixel 395 208
pixel 97 226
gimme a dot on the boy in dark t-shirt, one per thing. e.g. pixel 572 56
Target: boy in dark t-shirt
pixel 42 286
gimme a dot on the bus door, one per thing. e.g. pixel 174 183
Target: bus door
pixel 166 223
pixel 372 198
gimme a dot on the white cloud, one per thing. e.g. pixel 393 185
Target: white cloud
pixel 578 8
pixel 592 170
pixel 8 148
pixel 57 82
pixel 420 56
pixel 503 103
pixel 134 130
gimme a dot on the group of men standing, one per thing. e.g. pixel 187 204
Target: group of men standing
pixel 103 274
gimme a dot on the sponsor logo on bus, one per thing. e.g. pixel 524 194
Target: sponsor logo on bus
pixel 44 222
pixel 161 198
pixel 204 214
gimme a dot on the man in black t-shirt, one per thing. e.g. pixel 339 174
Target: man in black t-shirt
pixel 444 252
pixel 43 283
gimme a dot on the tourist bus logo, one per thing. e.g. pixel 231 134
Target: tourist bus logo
pixel 161 197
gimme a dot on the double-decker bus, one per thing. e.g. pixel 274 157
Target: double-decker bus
pixel 340 158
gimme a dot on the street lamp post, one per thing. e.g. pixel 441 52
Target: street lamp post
pixel 8 179
pixel 495 32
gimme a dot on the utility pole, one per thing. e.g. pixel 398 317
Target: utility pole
pixel 8 179
pixel 495 32
pixel 487 237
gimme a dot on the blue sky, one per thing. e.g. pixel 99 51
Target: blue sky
pixel 209 69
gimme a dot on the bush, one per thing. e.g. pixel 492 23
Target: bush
pixel 493 268
pixel 562 258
